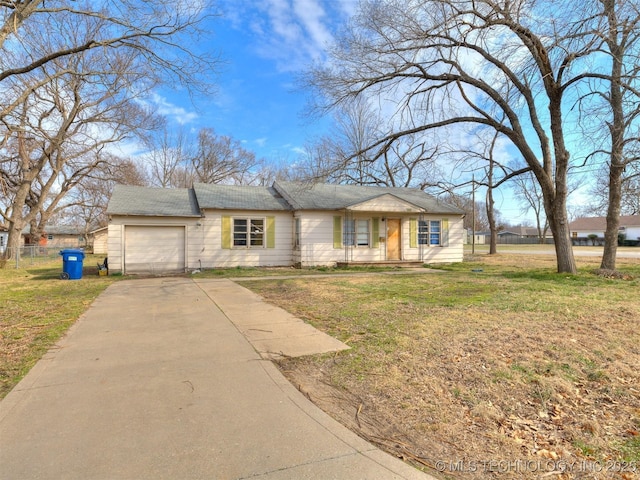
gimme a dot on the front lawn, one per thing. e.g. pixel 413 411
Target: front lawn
pixel 494 360
pixel 36 309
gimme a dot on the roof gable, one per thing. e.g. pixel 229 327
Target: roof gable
pixel 385 203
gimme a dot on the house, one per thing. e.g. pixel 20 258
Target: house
pixel 157 230
pixel 514 235
pixel 99 237
pixel 4 235
pixel 56 236
pixel 585 228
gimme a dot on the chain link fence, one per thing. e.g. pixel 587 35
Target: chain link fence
pixel 29 255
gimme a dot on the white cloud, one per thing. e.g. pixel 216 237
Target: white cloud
pixel 166 108
pixel 291 32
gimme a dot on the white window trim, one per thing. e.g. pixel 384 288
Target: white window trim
pixel 355 232
pixel 297 233
pixel 248 233
pixel 429 232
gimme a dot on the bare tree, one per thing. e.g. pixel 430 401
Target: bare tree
pixel 465 203
pixel 342 156
pixel 54 139
pixel 221 159
pixel 511 66
pixel 168 159
pixel 621 95
pixel 69 72
pixel 527 191
pixel 86 205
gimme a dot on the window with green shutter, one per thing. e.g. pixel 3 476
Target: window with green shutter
pixel 271 232
pixel 337 232
pixel 375 232
pixel 245 232
pixel 434 232
pixel 445 232
pixel 413 233
pixel 226 232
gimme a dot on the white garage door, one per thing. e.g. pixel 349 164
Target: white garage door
pixel 153 249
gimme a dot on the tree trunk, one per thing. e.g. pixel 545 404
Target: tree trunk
pixel 617 132
pixel 613 218
pixel 13 239
pixel 493 243
pixel 562 239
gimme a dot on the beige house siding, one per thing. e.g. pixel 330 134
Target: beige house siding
pixel 100 241
pixel 212 255
pixel 317 247
pixel 452 251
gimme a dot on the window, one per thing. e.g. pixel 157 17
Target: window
pixel 429 232
pixel 362 233
pixel 49 237
pixel 248 232
pixel 296 233
pixel 356 232
pixel 434 232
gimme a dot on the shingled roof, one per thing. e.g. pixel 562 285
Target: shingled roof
pixel 600 223
pixel 337 197
pixel 163 202
pixel 282 196
pixel 234 197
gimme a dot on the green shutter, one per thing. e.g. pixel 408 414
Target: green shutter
pixel 444 241
pixel 413 233
pixel 375 232
pixel 226 232
pixel 271 232
pixel 337 232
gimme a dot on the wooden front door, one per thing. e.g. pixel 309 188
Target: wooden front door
pixel 393 239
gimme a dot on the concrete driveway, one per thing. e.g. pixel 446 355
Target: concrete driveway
pixel 159 379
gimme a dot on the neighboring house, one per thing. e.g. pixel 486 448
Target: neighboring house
pixel 586 227
pixel 56 236
pixel 514 235
pixel 100 237
pixel 4 235
pixel 523 232
pixel 288 224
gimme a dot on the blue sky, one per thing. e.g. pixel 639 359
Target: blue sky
pixel 265 44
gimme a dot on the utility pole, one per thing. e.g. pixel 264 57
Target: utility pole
pixel 473 209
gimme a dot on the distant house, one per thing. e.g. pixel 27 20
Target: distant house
pixel 56 236
pixel 100 237
pixel 523 232
pixel 517 234
pixel 4 235
pixel 288 224
pixel 594 227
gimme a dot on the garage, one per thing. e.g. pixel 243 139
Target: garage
pixel 154 249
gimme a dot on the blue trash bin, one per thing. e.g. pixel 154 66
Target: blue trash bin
pixel 71 264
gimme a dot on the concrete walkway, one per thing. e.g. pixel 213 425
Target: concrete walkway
pixel 157 381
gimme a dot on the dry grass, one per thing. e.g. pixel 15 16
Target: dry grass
pixel 492 369
pixel 36 309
